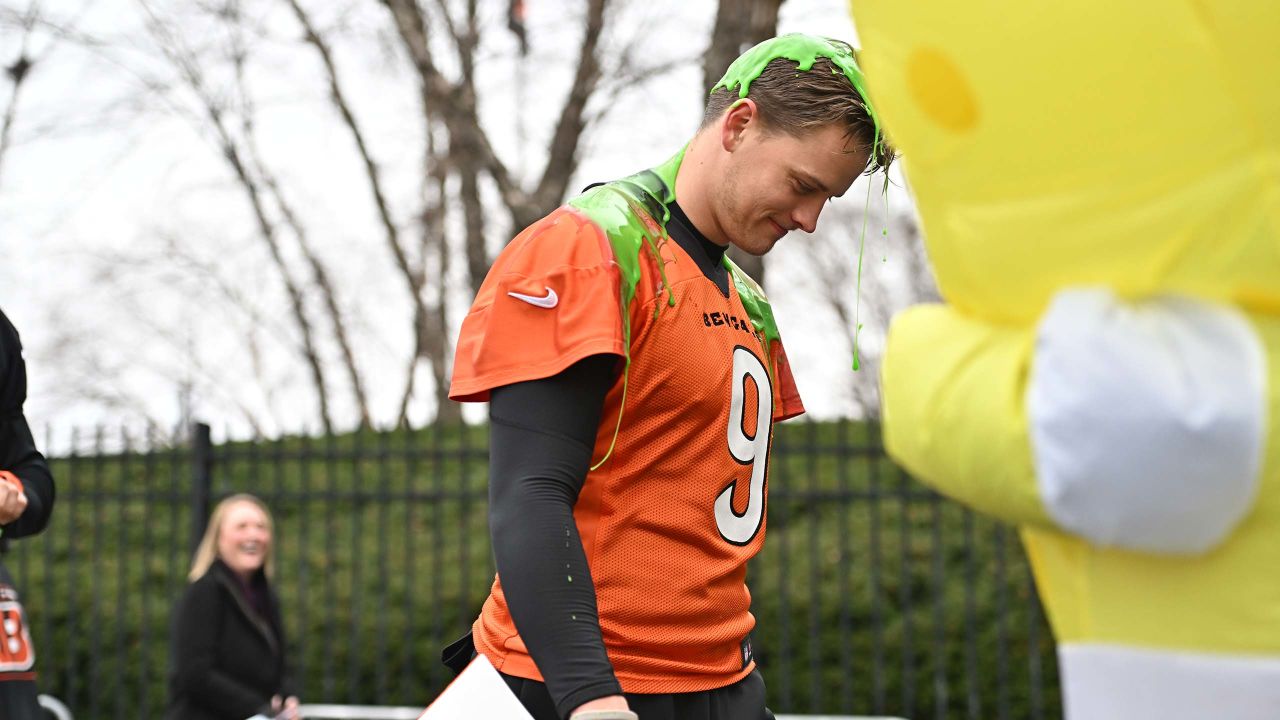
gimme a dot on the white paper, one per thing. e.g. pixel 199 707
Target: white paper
pixel 479 693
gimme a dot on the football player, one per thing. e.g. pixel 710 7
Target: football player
pixel 634 375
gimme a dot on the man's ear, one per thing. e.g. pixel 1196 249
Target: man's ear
pixel 741 115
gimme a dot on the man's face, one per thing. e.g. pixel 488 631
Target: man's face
pixel 775 182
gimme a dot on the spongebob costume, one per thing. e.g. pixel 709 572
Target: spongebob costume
pixel 1099 185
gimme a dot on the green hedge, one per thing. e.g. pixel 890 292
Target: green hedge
pixel 872 596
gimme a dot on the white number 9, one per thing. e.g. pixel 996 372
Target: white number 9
pixel 750 450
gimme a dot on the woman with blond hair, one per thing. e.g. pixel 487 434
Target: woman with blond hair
pixel 227 645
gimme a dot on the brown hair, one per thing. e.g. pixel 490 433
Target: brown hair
pixel 795 102
pixel 207 550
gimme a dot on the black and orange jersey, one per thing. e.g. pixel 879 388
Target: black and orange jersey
pixel 674 505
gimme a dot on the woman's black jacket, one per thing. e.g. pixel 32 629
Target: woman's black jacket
pixel 226 660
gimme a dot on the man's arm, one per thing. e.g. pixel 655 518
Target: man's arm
pixel 541 437
pixel 18 453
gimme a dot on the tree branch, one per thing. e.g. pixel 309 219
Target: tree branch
pixel 563 157
pixel 456 108
pixel 18 72
pixel 214 111
pixel 384 213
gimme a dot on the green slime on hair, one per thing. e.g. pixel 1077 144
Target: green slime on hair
pixel 804 51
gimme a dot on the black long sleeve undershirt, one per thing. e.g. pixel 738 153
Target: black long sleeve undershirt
pixel 541 436
pixel 707 255
pixel 18 453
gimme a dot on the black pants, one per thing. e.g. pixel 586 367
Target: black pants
pixel 743 700
pixel 17 659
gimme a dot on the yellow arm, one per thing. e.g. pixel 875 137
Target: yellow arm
pixel 954 411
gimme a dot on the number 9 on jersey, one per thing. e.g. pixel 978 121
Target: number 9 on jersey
pixel 750 450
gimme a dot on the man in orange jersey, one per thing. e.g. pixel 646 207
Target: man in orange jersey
pixel 634 375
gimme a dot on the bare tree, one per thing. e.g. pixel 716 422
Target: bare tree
pixel 433 326
pixel 195 62
pixel 452 104
pixel 458 147
pixel 88 360
pixel 739 25
pixel 456 102
pixel 863 266
pixel 320 280
pixel 18 71
pixel 412 272
pixel 465 163
pixel 216 110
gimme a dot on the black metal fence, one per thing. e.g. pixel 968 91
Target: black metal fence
pixel 873 595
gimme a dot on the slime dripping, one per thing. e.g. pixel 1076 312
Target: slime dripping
pixel 803 50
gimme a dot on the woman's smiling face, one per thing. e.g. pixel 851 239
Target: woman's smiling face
pixel 244 538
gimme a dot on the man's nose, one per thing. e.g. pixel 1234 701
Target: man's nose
pixel 805 216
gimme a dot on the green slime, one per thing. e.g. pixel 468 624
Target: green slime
pixel 620 209
pixel 804 50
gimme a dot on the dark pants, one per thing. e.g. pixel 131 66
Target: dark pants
pixel 17 657
pixel 743 700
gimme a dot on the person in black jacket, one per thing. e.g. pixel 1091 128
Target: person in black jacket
pixel 227 646
pixel 26 500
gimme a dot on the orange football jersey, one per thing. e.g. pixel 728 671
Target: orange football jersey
pixel 671 516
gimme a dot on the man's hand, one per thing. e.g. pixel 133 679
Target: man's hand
pixel 612 707
pixel 13 501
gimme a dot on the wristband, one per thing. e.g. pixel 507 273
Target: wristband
pixel 605 715
pixel 12 480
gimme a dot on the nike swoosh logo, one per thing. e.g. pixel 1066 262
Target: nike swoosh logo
pixel 547 301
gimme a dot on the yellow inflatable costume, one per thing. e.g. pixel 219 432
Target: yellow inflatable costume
pixel 1099 183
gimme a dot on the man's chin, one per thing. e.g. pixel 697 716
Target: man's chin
pixel 755 246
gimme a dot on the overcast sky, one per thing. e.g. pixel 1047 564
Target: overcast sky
pixel 93 176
